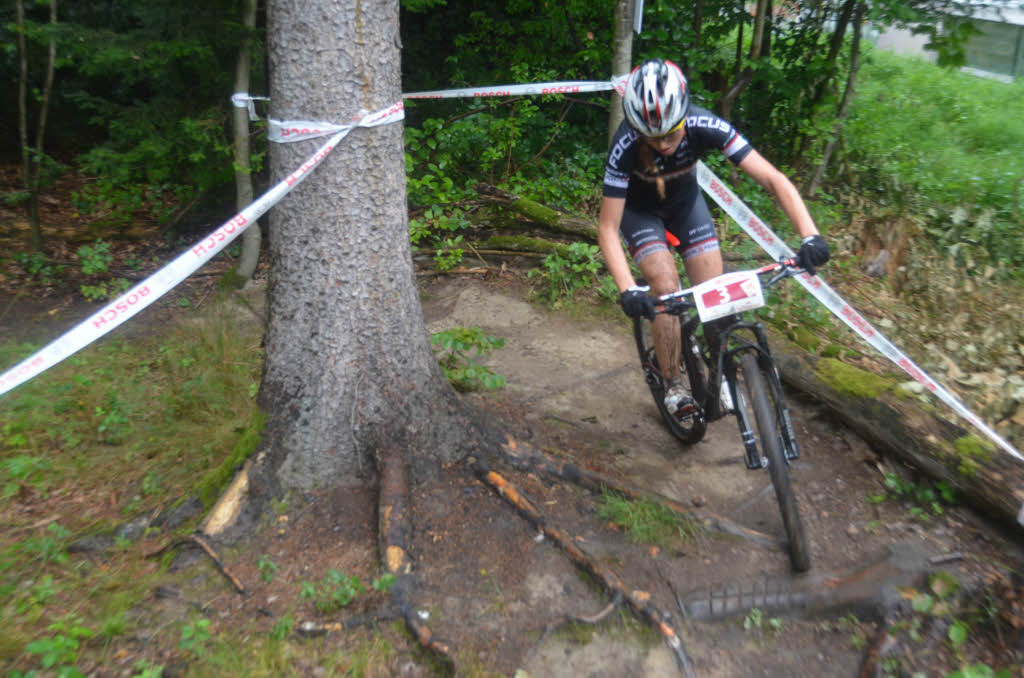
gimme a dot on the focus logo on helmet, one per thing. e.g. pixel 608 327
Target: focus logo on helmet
pixel 656 98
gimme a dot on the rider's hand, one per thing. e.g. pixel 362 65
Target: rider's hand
pixel 813 253
pixel 636 302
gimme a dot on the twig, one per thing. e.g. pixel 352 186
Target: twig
pixel 638 600
pixel 199 541
pixel 524 457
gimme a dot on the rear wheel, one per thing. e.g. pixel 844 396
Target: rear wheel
pixel 757 397
pixel 688 424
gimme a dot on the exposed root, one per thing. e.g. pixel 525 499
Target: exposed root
pixel 524 457
pixel 201 543
pixel 310 628
pixel 882 646
pixel 394 529
pixel 638 600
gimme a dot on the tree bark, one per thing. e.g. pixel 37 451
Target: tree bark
pixel 348 361
pixel 622 58
pixel 844 106
pixel 252 238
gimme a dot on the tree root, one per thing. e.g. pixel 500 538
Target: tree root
pixel 523 457
pixel 393 532
pixel 201 543
pixel 638 600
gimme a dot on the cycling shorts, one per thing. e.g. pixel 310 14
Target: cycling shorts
pixel 690 231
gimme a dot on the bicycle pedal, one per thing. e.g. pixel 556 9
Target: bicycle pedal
pixel 686 411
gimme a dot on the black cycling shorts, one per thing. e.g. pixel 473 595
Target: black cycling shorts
pixel 690 231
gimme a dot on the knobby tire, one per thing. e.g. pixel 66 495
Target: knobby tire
pixel 687 432
pixel 778 468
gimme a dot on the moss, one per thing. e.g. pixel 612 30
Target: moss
pixel 214 483
pixel 851 380
pixel 971 450
pixel 831 350
pixel 522 243
pixel 231 280
pixel 805 339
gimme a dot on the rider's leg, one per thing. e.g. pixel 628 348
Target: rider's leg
pixel 659 270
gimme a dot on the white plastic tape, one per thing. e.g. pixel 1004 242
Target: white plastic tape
pixel 566 87
pixel 152 288
pixel 777 249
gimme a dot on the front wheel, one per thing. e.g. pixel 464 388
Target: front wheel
pixel 757 397
pixel 689 427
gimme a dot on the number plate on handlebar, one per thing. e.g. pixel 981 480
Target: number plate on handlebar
pixel 728 293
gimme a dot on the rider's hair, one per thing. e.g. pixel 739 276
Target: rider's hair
pixel 646 155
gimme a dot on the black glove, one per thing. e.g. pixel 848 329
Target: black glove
pixel 636 302
pixel 813 253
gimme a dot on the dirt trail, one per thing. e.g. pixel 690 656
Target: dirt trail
pixel 580 388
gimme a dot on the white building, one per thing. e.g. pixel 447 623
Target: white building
pixel 997 52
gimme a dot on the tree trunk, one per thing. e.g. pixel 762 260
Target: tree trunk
pixel 243 172
pixel 550 219
pixel 900 428
pixel 757 37
pixel 844 106
pixel 348 362
pixel 622 58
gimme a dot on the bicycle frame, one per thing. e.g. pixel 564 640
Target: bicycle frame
pixel 734 342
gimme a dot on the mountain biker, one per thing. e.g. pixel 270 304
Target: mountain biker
pixel 651 198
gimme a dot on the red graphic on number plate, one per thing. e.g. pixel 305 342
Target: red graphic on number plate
pixel 723 295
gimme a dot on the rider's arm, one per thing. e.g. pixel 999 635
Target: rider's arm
pixel 779 185
pixel 611 247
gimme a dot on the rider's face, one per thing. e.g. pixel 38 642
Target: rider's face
pixel 667 144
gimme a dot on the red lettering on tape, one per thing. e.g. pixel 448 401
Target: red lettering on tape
pixel 760 230
pixel 917 374
pixel 857 321
pixel 493 93
pixel 562 89
pixel 721 191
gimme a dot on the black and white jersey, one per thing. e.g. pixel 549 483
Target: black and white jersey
pixel 626 175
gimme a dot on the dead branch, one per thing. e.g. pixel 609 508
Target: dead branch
pixel 524 457
pixel 638 600
pixel 202 544
pixel 541 214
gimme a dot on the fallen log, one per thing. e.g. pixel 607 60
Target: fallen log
pixel 551 219
pixel 895 423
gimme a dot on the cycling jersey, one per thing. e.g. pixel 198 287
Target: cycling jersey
pixel 682 213
pixel 626 177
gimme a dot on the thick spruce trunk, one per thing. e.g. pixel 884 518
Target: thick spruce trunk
pixel 348 362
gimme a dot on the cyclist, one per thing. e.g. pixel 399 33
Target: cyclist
pixel 651 199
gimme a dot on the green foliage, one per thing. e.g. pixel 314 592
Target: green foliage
pixel 38 266
pixel 646 521
pixel 924 499
pixel 940 145
pixel 194 636
pixel 95 258
pixel 566 275
pixel 267 567
pixel 457 351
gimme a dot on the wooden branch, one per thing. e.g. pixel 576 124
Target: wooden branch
pixel 551 219
pixel 638 600
pixel 524 457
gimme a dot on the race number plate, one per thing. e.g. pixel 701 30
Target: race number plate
pixel 728 293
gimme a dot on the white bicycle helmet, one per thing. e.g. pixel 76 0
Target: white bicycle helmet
pixel 656 98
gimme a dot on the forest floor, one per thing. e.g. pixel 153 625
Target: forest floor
pixel 905 586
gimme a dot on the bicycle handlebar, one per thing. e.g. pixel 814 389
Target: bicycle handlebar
pixel 675 303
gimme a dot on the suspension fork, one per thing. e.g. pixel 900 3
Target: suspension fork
pixel 768 366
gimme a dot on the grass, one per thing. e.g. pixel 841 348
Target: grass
pixel 646 521
pixel 120 429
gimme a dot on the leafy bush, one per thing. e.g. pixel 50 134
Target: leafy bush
pixel 457 351
pixel 566 275
pixel 941 146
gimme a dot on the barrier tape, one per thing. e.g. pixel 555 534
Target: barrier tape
pixel 158 284
pixel 821 291
pixel 152 288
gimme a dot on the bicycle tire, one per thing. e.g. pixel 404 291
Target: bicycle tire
pixel 687 431
pixel 765 415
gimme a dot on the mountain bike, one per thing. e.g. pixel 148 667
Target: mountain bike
pixel 745 362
